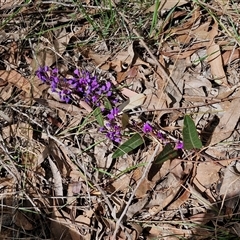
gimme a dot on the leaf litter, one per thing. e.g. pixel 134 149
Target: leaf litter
pixel 176 85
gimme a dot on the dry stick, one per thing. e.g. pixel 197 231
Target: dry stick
pixel 185 108
pixel 164 74
pixel 134 191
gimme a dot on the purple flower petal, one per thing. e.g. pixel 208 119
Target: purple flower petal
pixel 113 114
pixel 179 145
pixel 147 128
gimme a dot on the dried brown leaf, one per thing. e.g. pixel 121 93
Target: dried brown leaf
pixel 99 59
pixel 166 4
pixel 137 207
pixel 230 56
pixel 62 227
pixel 51 47
pixel 16 79
pixel 227 122
pixel 133 102
pixel 207 173
pixel 229 190
pixel 215 58
pixel 165 192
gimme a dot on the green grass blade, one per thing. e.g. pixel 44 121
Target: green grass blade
pixel 131 144
pixel 154 18
pixel 190 134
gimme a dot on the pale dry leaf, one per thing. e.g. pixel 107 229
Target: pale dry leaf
pixel 166 4
pixel 202 218
pixel 218 152
pixel 30 155
pixel 202 31
pixel 19 81
pixel 196 81
pixel 177 53
pixel 129 76
pixel 144 187
pixel 122 183
pixel 57 185
pixel 137 207
pixel 230 55
pixel 155 100
pixel 227 122
pixel 133 102
pixel 5 4
pixel 167 232
pixel 49 50
pixel 62 40
pixel 165 192
pixel 100 151
pixel 216 63
pixel 99 59
pixel 215 58
pixel 124 60
pixel 42 156
pixel 127 92
pixel 13 59
pixel 176 73
pixel 138 230
pixel 179 201
pixel 184 32
pixel 207 173
pixel 67 168
pixel 7 91
pixel 56 152
pixel 22 130
pixel 62 227
pixel 229 189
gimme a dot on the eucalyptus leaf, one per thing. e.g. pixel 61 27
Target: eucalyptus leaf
pixel 131 144
pixel 190 134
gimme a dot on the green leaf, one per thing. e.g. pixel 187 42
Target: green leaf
pixel 98 115
pixel 168 152
pixel 107 104
pixel 131 144
pixel 190 134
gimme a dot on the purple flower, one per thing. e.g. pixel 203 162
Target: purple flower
pixel 65 95
pixel 114 134
pixel 160 136
pixel 179 145
pixel 92 90
pixel 113 114
pixel 147 128
pixel 42 73
pixel 77 72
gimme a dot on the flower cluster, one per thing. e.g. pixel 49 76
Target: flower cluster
pixel 90 89
pixel 112 128
pixel 82 83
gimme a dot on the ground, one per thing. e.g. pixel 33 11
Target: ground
pixel 119 119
